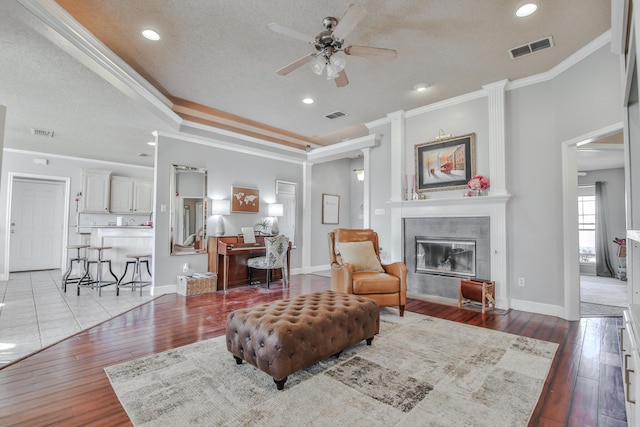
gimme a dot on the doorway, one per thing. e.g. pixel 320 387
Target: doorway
pixel 570 166
pixel 37 222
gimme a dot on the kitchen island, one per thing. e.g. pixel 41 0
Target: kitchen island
pixel 123 240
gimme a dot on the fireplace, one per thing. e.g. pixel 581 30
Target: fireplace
pixel 446 257
pixel 439 251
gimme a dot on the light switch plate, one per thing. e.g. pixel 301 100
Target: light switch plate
pixel 379 212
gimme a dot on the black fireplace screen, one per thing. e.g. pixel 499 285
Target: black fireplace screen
pixel 446 257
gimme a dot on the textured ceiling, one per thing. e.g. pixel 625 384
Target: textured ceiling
pixel 220 54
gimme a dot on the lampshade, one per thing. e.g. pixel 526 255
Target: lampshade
pixel 220 207
pixel 275 209
pixel 359 174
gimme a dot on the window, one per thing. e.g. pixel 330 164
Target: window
pixel 587 228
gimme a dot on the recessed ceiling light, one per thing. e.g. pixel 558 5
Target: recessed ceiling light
pixel 151 143
pixel 308 101
pixel 421 87
pixel 150 35
pixel 526 10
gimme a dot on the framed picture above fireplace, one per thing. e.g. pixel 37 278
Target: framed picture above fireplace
pixel 445 164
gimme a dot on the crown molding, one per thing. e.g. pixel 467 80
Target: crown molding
pixel 73 158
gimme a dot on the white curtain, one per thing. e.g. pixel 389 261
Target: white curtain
pixel 603 261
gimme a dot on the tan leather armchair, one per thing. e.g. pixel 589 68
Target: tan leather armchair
pixel 388 288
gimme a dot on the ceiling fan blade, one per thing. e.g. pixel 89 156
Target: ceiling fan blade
pixel 372 52
pixel 277 28
pixel 342 79
pixel 295 64
pixel 348 22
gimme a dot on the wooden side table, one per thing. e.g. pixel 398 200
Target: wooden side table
pixel 481 291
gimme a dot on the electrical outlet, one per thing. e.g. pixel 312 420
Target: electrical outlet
pixel 521 281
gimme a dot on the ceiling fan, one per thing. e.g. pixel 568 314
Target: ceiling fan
pixel 331 41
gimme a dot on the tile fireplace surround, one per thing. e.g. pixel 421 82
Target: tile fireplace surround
pixel 486 215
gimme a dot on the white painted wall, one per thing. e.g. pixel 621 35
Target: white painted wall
pixel 225 169
pixel 330 178
pixel 540 117
pixel 58 166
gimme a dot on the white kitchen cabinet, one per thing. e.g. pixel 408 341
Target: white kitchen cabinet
pixel 631 363
pixel 95 190
pixel 129 195
pixel 142 197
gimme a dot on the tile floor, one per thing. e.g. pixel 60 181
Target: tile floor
pixel 35 312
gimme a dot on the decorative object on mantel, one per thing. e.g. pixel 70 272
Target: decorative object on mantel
pixel 410 188
pixel 446 163
pixel 245 199
pixel 478 185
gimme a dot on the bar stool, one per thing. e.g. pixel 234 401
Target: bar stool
pixel 137 273
pixel 67 278
pixel 98 283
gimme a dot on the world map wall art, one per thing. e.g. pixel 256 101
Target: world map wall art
pixel 245 199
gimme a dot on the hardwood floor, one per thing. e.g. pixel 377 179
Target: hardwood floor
pixel 65 384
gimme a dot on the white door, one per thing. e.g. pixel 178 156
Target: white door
pixel 37 211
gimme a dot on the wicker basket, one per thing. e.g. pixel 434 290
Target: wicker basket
pixel 194 286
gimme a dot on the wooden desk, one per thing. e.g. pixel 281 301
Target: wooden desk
pixel 228 257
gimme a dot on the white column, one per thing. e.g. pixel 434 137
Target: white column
pixel 397 154
pixel 306 216
pixel 497 137
pixel 397 158
pixel 366 165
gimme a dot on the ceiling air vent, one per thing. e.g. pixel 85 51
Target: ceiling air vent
pixel 335 115
pixel 40 132
pixel 142 155
pixel 526 49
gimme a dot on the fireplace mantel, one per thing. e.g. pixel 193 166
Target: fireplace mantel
pixel 492 206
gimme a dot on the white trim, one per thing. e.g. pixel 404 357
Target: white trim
pixel 11 176
pixel 80 159
pixel 229 146
pixel 232 134
pixel 446 103
pixel 571 260
pixel 341 150
pixel 538 307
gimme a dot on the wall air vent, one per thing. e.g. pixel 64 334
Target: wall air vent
pixel 142 155
pixel 335 115
pixel 528 48
pixel 40 132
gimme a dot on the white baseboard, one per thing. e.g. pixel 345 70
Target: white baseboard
pixel 540 308
pixel 164 289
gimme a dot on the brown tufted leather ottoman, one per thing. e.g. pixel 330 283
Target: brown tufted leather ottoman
pixel 287 335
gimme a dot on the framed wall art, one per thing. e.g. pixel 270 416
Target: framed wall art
pixel 445 164
pixel 330 208
pixel 245 199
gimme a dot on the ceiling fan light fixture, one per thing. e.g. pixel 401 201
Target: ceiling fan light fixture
pixel 526 10
pixel 338 62
pixel 332 71
pixel 318 64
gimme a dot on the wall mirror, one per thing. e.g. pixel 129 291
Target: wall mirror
pixel 286 194
pixel 188 222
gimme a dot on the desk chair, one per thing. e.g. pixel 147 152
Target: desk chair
pixel 276 257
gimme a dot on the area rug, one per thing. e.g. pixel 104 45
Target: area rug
pixel 419 370
pixel 599 310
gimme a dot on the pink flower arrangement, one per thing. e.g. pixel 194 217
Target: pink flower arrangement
pixel 478 182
